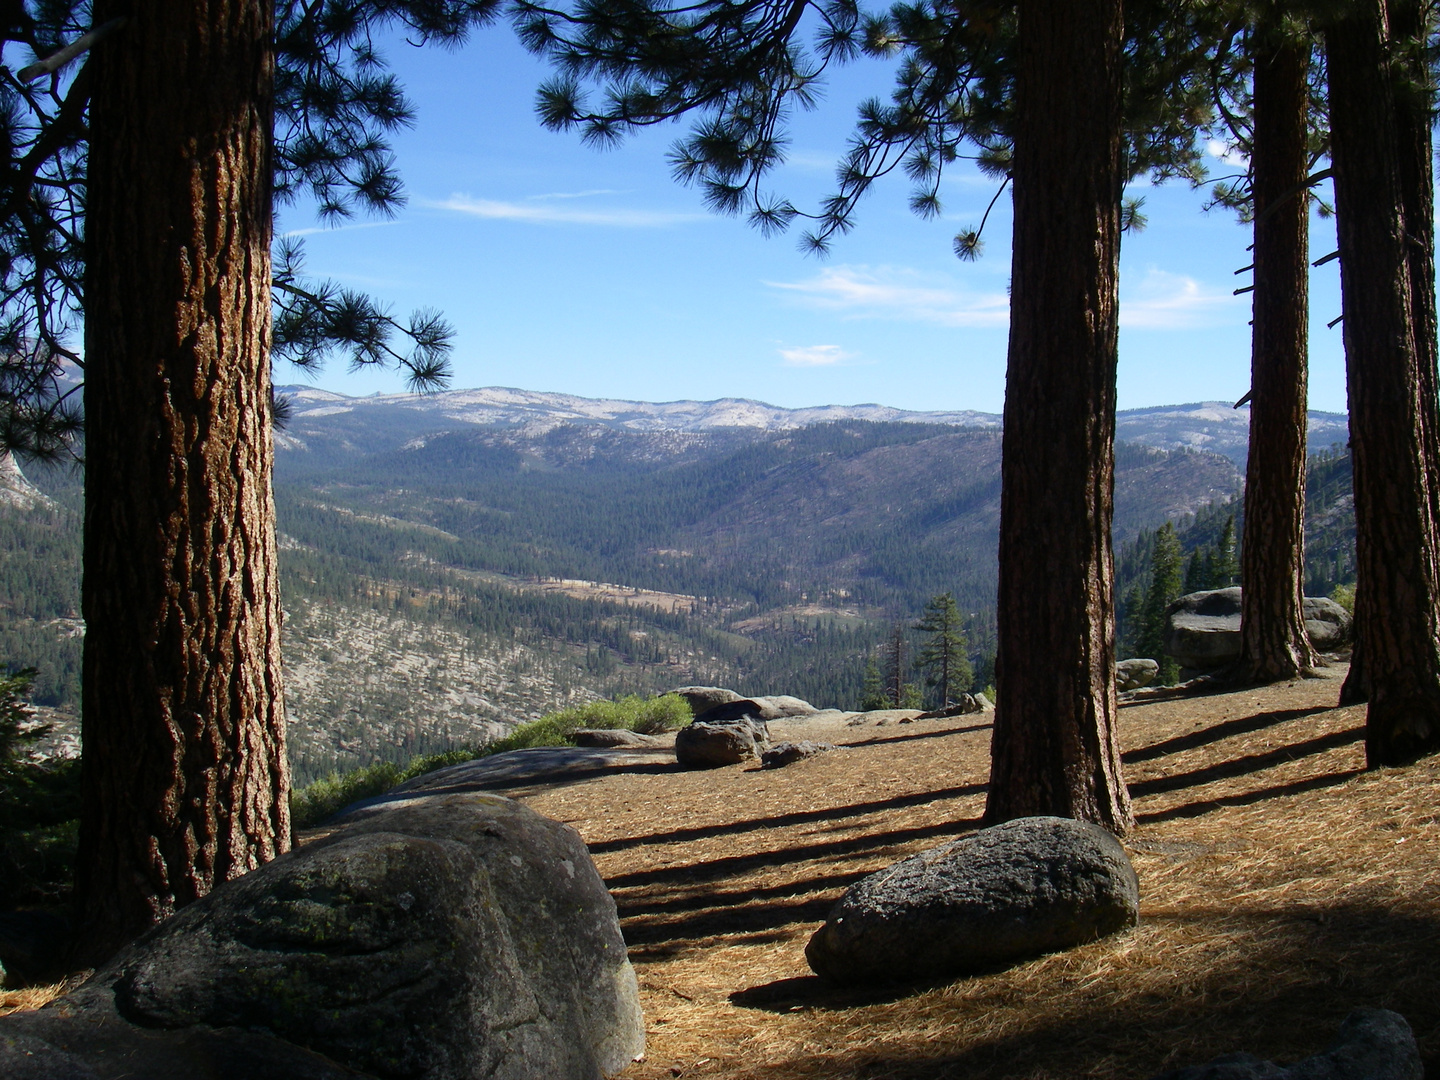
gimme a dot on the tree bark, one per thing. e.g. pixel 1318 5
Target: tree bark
pixel 1273 641
pixel 185 775
pixel 1395 537
pixel 1054 749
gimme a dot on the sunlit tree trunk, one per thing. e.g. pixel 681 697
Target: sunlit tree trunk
pixel 1054 749
pixel 185 774
pixel 1273 641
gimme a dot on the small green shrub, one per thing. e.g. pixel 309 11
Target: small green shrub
pixel 1344 595
pixel 649 716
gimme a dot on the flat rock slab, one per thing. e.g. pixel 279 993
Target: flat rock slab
pixel 988 900
pixel 519 768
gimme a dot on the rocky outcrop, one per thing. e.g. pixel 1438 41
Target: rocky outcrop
pixel 787 753
pixel 777 707
pixel 605 737
pixel 1373 1044
pixel 1202 630
pixel 1133 674
pixel 426 937
pixel 706 745
pixel 1327 624
pixel 991 899
pixel 964 705
pixel 700 698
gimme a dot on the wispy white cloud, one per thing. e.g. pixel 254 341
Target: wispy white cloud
pixel 577 194
pixel 1165 301
pixel 311 230
pixel 540 213
pixel 1227 152
pixel 815 356
pixel 888 292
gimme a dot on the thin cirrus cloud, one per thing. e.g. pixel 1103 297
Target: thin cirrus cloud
pixel 815 356
pixel 1166 301
pixel 1161 300
pixel 544 211
pixel 863 292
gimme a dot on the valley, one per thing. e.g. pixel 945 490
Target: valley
pixel 455 564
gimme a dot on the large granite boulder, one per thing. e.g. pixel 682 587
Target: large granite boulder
pixel 705 745
pixel 1327 624
pixel 1202 629
pixel 1133 674
pixel 428 936
pixel 991 899
pixel 700 698
pixel 1373 1044
pixel 777 707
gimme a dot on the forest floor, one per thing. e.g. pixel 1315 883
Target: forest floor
pixel 1281 886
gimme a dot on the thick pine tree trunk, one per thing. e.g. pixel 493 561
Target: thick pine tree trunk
pixel 1398 580
pixel 1273 642
pixel 1054 748
pixel 185 775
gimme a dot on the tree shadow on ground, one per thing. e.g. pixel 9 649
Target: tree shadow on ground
pixel 1241 725
pixel 1282 996
pixel 780 821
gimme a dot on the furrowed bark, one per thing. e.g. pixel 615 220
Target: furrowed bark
pixel 1395 535
pixel 185 775
pixel 1054 749
pixel 1273 641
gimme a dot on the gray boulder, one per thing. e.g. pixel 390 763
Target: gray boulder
pixel 787 753
pixel 429 936
pixel 964 705
pixel 611 737
pixel 1326 623
pixel 1373 1044
pixel 1202 629
pixel 706 745
pixel 777 707
pixel 701 698
pixel 1133 674
pixel 991 899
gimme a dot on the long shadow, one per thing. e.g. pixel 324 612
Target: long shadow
pixel 1249 798
pixel 780 821
pixel 714 922
pixel 713 869
pixel 1231 1009
pixel 1250 763
pixel 644 905
pixel 908 737
pixel 1243 725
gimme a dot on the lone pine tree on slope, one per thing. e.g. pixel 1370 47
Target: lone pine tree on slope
pixel 942 657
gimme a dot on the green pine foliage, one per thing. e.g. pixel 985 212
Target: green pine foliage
pixel 943 657
pixel 39 806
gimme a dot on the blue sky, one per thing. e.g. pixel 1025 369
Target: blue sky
pixel 568 269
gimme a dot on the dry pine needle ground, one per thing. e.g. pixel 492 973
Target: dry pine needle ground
pixel 1281 886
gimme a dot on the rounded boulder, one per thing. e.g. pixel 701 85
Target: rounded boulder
pixel 988 900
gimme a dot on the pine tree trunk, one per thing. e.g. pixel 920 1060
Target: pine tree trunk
pixel 185 775
pixel 1273 641
pixel 1054 748
pixel 1395 536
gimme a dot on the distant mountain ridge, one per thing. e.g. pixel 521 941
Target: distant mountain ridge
pixel 385 421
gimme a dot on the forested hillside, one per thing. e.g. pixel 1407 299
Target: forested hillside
pixel 453 584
